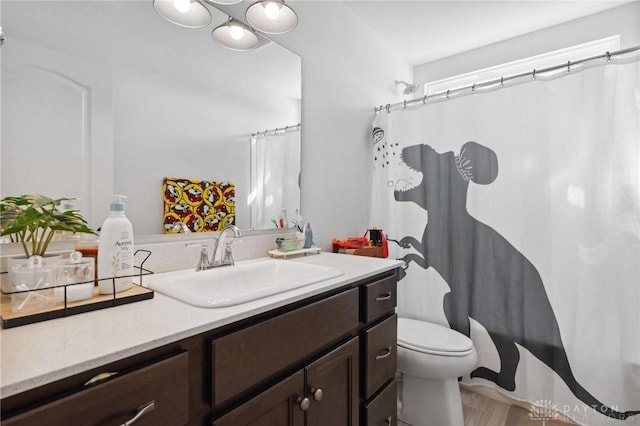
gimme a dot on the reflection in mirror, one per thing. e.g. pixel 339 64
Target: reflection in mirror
pixel 104 97
pixel 275 159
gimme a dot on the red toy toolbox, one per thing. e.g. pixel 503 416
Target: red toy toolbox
pixel 374 246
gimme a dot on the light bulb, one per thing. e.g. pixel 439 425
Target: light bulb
pixel 272 10
pixel 236 32
pixel 182 6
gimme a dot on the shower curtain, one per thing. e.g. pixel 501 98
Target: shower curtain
pixel 275 167
pixel 517 213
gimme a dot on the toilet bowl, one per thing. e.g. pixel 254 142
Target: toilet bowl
pixel 430 360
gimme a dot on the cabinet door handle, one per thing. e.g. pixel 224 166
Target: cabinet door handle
pixel 316 394
pixel 303 403
pixel 383 297
pixel 387 352
pixel 149 406
pixel 388 420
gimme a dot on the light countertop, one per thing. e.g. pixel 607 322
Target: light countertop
pixel 36 354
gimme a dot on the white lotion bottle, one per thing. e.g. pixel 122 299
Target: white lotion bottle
pixel 115 250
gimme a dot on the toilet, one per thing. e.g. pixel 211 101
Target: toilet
pixel 430 360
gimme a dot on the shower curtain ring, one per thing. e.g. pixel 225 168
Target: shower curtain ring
pixel 448 91
pixel 405 104
pixel 473 88
pixel 501 81
pixel 568 67
pixel 388 108
pixel 424 100
pixel 608 57
pixel 533 76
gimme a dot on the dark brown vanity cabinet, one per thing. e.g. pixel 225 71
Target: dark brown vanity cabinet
pixel 253 356
pixel 323 393
pixel 156 394
pixel 329 360
pixel 379 351
pixel 350 385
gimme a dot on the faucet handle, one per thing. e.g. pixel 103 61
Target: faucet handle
pixel 203 263
pixel 227 257
pixel 228 254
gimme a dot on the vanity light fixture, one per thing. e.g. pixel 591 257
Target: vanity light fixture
pixel 186 13
pixel 235 35
pixel 271 17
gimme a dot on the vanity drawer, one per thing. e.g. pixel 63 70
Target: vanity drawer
pixel 249 358
pixel 382 358
pixel 383 409
pixel 118 400
pixel 379 297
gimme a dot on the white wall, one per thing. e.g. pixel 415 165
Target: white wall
pixel 623 20
pixel 346 71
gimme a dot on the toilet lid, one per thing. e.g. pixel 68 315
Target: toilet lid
pixel 428 337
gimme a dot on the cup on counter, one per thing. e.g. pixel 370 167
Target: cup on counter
pixel 32 282
pixel 88 246
pixel 77 275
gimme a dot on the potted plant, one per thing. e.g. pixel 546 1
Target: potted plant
pixel 32 220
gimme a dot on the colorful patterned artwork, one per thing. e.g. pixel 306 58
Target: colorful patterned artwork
pixel 203 206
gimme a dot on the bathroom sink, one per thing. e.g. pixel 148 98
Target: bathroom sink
pixel 244 282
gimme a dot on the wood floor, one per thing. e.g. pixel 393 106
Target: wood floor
pixel 479 410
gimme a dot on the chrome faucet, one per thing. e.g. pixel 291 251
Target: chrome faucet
pixel 227 257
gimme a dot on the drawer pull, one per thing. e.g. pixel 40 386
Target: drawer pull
pixel 149 406
pixel 383 297
pixel 316 394
pixel 387 352
pixel 99 377
pixel 303 403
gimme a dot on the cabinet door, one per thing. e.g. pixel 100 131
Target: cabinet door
pixel 277 406
pixel 333 387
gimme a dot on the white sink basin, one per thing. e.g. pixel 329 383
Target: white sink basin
pixel 244 282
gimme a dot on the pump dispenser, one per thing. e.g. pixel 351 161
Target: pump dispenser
pixel 115 250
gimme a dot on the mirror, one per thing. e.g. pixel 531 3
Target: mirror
pixel 107 97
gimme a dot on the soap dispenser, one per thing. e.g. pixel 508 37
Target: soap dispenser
pixel 308 236
pixel 115 250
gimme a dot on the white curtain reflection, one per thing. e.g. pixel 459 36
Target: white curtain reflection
pixel 275 169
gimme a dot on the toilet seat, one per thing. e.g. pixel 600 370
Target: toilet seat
pixel 434 339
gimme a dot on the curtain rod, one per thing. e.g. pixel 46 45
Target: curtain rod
pixel 502 80
pixel 277 130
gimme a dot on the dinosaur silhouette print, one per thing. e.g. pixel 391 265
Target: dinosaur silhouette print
pixel 489 279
